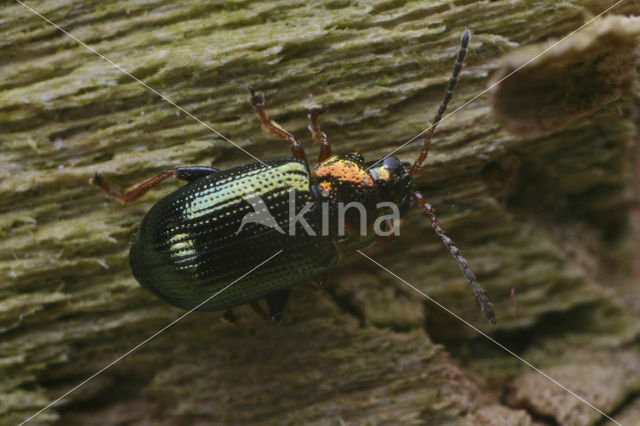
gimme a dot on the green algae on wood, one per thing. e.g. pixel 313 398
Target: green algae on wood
pixel 546 216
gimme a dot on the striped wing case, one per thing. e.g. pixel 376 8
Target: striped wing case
pixel 193 243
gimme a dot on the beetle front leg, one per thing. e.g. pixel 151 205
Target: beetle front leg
pixel 466 270
pixel 133 193
pixel 273 128
pixel 318 135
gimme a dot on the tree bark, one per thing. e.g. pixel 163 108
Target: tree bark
pixel 533 180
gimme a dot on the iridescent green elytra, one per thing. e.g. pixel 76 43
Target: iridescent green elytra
pixel 187 248
pixel 194 242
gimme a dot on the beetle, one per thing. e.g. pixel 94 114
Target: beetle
pixel 197 240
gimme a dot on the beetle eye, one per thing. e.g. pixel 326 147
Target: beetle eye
pixel 392 163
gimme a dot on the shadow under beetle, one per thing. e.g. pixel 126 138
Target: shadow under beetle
pixel 188 247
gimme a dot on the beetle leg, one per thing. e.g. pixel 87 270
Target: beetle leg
pixel 276 302
pixel 258 309
pixel 228 316
pixel 135 192
pixel 318 135
pixel 273 128
pixel 308 286
pixel 322 280
pixel 466 270
pixel 319 281
pixel 194 173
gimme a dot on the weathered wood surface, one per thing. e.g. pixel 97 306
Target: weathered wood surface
pixel 547 213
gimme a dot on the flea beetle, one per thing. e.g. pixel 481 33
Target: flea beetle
pixel 197 240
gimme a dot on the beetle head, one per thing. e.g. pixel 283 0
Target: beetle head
pixel 393 181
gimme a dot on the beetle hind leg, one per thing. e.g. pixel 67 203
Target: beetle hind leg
pixel 273 128
pixel 133 193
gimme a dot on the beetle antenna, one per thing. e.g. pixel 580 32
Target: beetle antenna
pixel 466 270
pixel 443 106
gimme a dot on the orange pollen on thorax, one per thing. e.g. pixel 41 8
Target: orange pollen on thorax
pixel 345 171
